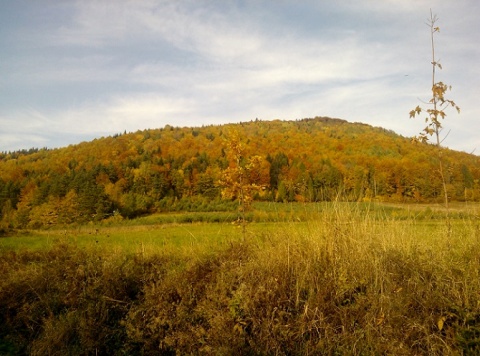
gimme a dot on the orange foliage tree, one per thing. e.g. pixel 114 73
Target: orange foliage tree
pixel 241 179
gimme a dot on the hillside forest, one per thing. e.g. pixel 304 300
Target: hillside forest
pixel 159 170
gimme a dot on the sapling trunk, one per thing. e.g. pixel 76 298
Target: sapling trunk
pixel 438 104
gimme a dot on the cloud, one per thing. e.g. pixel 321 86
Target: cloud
pixel 106 67
pixel 122 113
pixel 20 141
pixel 23 130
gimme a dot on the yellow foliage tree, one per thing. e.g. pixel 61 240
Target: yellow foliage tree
pixel 241 179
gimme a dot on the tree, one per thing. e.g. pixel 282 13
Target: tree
pixel 240 179
pixel 277 165
pixel 6 217
pixel 438 103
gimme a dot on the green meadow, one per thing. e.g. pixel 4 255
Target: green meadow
pixel 328 278
pixel 178 230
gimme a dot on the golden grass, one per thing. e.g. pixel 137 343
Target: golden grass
pixel 347 280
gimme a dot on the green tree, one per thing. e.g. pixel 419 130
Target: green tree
pixel 6 217
pixel 277 165
pixel 281 192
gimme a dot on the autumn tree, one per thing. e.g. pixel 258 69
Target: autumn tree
pixel 437 105
pixel 241 179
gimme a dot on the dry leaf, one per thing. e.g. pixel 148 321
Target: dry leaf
pixel 380 319
pixel 441 322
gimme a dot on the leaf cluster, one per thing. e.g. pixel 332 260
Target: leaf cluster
pixel 434 115
pixel 438 101
pixel 240 180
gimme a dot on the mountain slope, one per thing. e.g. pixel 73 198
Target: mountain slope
pixel 152 170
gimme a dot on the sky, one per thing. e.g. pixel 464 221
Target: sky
pixel 73 71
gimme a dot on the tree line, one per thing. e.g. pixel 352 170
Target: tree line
pixel 173 168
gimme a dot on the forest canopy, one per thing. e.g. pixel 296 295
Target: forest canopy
pixel 173 168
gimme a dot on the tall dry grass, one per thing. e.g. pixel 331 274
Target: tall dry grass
pixel 348 282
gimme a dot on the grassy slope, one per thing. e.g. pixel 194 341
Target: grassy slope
pixel 346 280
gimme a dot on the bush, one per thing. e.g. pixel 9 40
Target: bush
pixel 66 300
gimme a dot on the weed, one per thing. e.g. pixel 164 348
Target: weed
pixel 350 279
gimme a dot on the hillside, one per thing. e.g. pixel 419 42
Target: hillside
pixel 178 168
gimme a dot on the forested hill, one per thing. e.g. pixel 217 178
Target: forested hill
pixel 156 170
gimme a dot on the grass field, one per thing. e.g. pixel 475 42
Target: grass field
pixel 162 231
pixel 330 278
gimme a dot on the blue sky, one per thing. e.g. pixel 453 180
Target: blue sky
pixel 72 71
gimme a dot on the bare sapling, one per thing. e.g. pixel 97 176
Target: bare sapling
pixel 436 109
